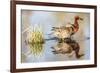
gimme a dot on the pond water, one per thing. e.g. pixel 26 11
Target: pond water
pixel 52 50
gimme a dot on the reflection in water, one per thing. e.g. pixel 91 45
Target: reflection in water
pixel 53 50
pixel 22 57
pixel 67 47
pixel 36 49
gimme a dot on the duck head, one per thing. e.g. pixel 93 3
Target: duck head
pixel 78 18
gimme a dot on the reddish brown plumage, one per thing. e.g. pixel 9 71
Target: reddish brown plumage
pixel 65 31
pixel 75 26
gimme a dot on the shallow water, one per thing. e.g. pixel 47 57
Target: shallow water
pixel 52 50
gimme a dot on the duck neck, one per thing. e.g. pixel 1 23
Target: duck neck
pixel 76 25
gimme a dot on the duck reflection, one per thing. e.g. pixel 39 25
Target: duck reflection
pixel 67 47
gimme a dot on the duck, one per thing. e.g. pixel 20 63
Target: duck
pixel 63 32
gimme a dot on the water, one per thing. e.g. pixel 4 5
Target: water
pixel 53 50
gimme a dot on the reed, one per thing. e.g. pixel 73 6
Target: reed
pixel 35 40
pixel 35 36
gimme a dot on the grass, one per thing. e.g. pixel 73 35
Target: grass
pixel 35 41
pixel 35 36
